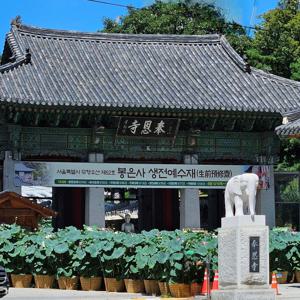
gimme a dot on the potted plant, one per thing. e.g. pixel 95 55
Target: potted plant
pixel 133 277
pixel 188 249
pixel 112 261
pixel 178 283
pixel 65 247
pixel 43 258
pixel 161 270
pixel 280 258
pixel 87 253
pixel 293 253
pixel 21 268
pixel 146 261
pixel 198 247
pixel 18 259
pixel 297 273
pixel 174 265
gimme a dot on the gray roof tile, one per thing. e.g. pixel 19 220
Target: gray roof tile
pixel 292 128
pixel 145 71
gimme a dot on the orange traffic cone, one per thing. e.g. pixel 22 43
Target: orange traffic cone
pixel 274 283
pixel 205 285
pixel 215 285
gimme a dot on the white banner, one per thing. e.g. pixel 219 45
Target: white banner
pixel 66 174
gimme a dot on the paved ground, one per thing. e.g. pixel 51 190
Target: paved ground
pixel 287 291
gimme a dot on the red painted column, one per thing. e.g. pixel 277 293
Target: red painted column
pixel 77 207
pixel 167 209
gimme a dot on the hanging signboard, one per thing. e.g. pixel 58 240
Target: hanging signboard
pixel 125 175
pixel 148 127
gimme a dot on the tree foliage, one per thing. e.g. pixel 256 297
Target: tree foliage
pixel 289 156
pixel 276 46
pixel 183 17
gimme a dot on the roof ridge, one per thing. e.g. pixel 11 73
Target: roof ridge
pixel 276 77
pixel 209 38
pixel 12 43
pixel 293 115
pixel 12 65
pixel 241 63
pixel 294 111
pixel 18 54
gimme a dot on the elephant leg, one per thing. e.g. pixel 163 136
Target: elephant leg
pixel 238 206
pixel 228 205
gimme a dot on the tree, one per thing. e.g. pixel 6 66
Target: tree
pixel 183 17
pixel 289 155
pixel 276 45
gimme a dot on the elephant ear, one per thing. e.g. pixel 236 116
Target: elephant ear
pixel 236 186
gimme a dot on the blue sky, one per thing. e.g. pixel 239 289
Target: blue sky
pixel 83 15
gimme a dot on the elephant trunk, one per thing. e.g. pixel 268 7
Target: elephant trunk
pixel 252 202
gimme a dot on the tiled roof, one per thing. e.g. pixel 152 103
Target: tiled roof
pixel 292 127
pixel 142 71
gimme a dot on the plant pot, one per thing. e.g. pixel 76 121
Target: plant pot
pixel 180 290
pixel 43 281
pixel 151 287
pixel 90 283
pixel 196 288
pixel 297 275
pixel 114 285
pixel 61 283
pixel 21 281
pixel 134 286
pixel 282 277
pixel 68 283
pixel 164 288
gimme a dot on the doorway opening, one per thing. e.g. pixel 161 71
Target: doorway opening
pixel 212 208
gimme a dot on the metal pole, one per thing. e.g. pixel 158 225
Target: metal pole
pixel 208 276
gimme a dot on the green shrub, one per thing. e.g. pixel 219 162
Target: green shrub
pixel 284 250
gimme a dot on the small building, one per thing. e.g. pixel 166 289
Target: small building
pixel 121 101
pixel 17 209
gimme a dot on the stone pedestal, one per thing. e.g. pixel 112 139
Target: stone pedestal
pixel 243 249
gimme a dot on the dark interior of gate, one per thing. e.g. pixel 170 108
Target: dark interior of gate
pixel 154 208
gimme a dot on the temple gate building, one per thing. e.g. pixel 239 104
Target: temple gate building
pixel 77 97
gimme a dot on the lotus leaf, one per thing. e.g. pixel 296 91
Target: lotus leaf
pixel 8 247
pixel 176 256
pixel 133 269
pixel 118 252
pixel 178 266
pixel 141 261
pixel 80 254
pixel 108 246
pixel 31 250
pixel 61 248
pixel 162 257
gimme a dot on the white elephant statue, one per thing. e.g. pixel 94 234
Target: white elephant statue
pixel 240 191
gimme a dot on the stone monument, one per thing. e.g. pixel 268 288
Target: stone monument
pixel 243 245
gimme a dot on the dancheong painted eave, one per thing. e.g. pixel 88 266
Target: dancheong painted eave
pixel 176 72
